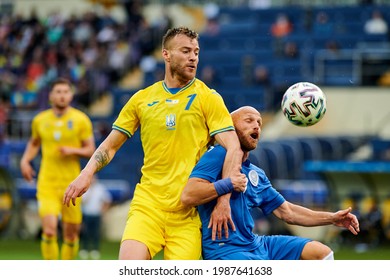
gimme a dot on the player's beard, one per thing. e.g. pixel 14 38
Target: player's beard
pixel 247 142
pixel 61 105
pixel 179 73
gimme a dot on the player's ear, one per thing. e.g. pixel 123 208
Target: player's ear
pixel 165 55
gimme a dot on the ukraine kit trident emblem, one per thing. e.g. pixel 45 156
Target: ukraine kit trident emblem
pixel 170 121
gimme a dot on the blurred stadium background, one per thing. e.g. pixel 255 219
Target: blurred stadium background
pixel 111 48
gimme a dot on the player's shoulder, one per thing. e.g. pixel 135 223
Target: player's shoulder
pixel 202 88
pixel 43 114
pixel 216 150
pixel 78 113
pixel 145 93
pixel 151 88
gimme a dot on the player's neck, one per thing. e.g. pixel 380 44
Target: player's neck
pixel 172 82
pixel 58 111
pixel 245 156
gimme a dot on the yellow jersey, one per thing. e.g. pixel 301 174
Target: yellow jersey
pixel 175 130
pixel 54 131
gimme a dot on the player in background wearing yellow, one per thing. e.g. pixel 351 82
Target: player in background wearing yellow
pixel 177 118
pixel 65 134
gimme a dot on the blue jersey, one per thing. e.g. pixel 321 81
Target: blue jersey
pixel 259 193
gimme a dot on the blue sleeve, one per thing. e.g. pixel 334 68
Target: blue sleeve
pixel 270 197
pixel 210 165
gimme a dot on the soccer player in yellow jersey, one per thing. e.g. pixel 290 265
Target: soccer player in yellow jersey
pixel 177 118
pixel 65 134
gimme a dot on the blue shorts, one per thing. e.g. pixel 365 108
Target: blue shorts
pixel 273 247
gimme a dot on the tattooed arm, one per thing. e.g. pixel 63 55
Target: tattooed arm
pixel 100 158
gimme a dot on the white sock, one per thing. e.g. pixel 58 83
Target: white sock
pixel 329 257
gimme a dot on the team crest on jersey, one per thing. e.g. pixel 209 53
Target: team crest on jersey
pixel 170 121
pixel 70 124
pixel 253 178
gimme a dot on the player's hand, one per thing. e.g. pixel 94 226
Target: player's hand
pixel 28 172
pixel 76 189
pixel 239 182
pixel 221 218
pixel 66 151
pixel 344 218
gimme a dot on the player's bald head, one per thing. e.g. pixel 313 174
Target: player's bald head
pixel 242 111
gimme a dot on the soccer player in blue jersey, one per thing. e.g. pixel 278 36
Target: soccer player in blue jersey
pixel 205 187
pixel 177 118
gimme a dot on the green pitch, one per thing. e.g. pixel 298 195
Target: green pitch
pixel 30 250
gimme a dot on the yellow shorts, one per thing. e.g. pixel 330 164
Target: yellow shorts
pixel 178 233
pixel 50 203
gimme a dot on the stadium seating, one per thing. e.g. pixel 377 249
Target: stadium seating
pixel 245 33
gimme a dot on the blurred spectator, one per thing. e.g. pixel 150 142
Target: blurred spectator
pixel 322 25
pixel 22 97
pixel 82 31
pixel 35 69
pixel 280 28
pixel 308 18
pixel 4 111
pixel 82 96
pixel 211 12
pixel 95 203
pixel 291 50
pixel 373 224
pixel 376 24
pixel 54 28
pixel 332 46
pixel 133 10
pixel 107 34
pixel 209 76
pixel 261 76
pixel 101 130
pixel 259 4
pixel 354 202
pixel 247 65
pixel 386 217
pixel 212 27
pixel 384 79
pixel 118 55
pixel 92 50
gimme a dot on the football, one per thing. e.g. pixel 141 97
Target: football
pixel 304 104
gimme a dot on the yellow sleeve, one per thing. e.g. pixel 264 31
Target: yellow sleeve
pixel 34 128
pixel 218 118
pixel 87 129
pixel 128 120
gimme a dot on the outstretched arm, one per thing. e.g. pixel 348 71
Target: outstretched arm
pixel 100 158
pixel 298 215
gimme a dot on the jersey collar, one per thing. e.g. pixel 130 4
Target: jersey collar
pixel 166 88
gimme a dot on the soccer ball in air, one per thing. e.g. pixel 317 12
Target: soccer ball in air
pixel 304 104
